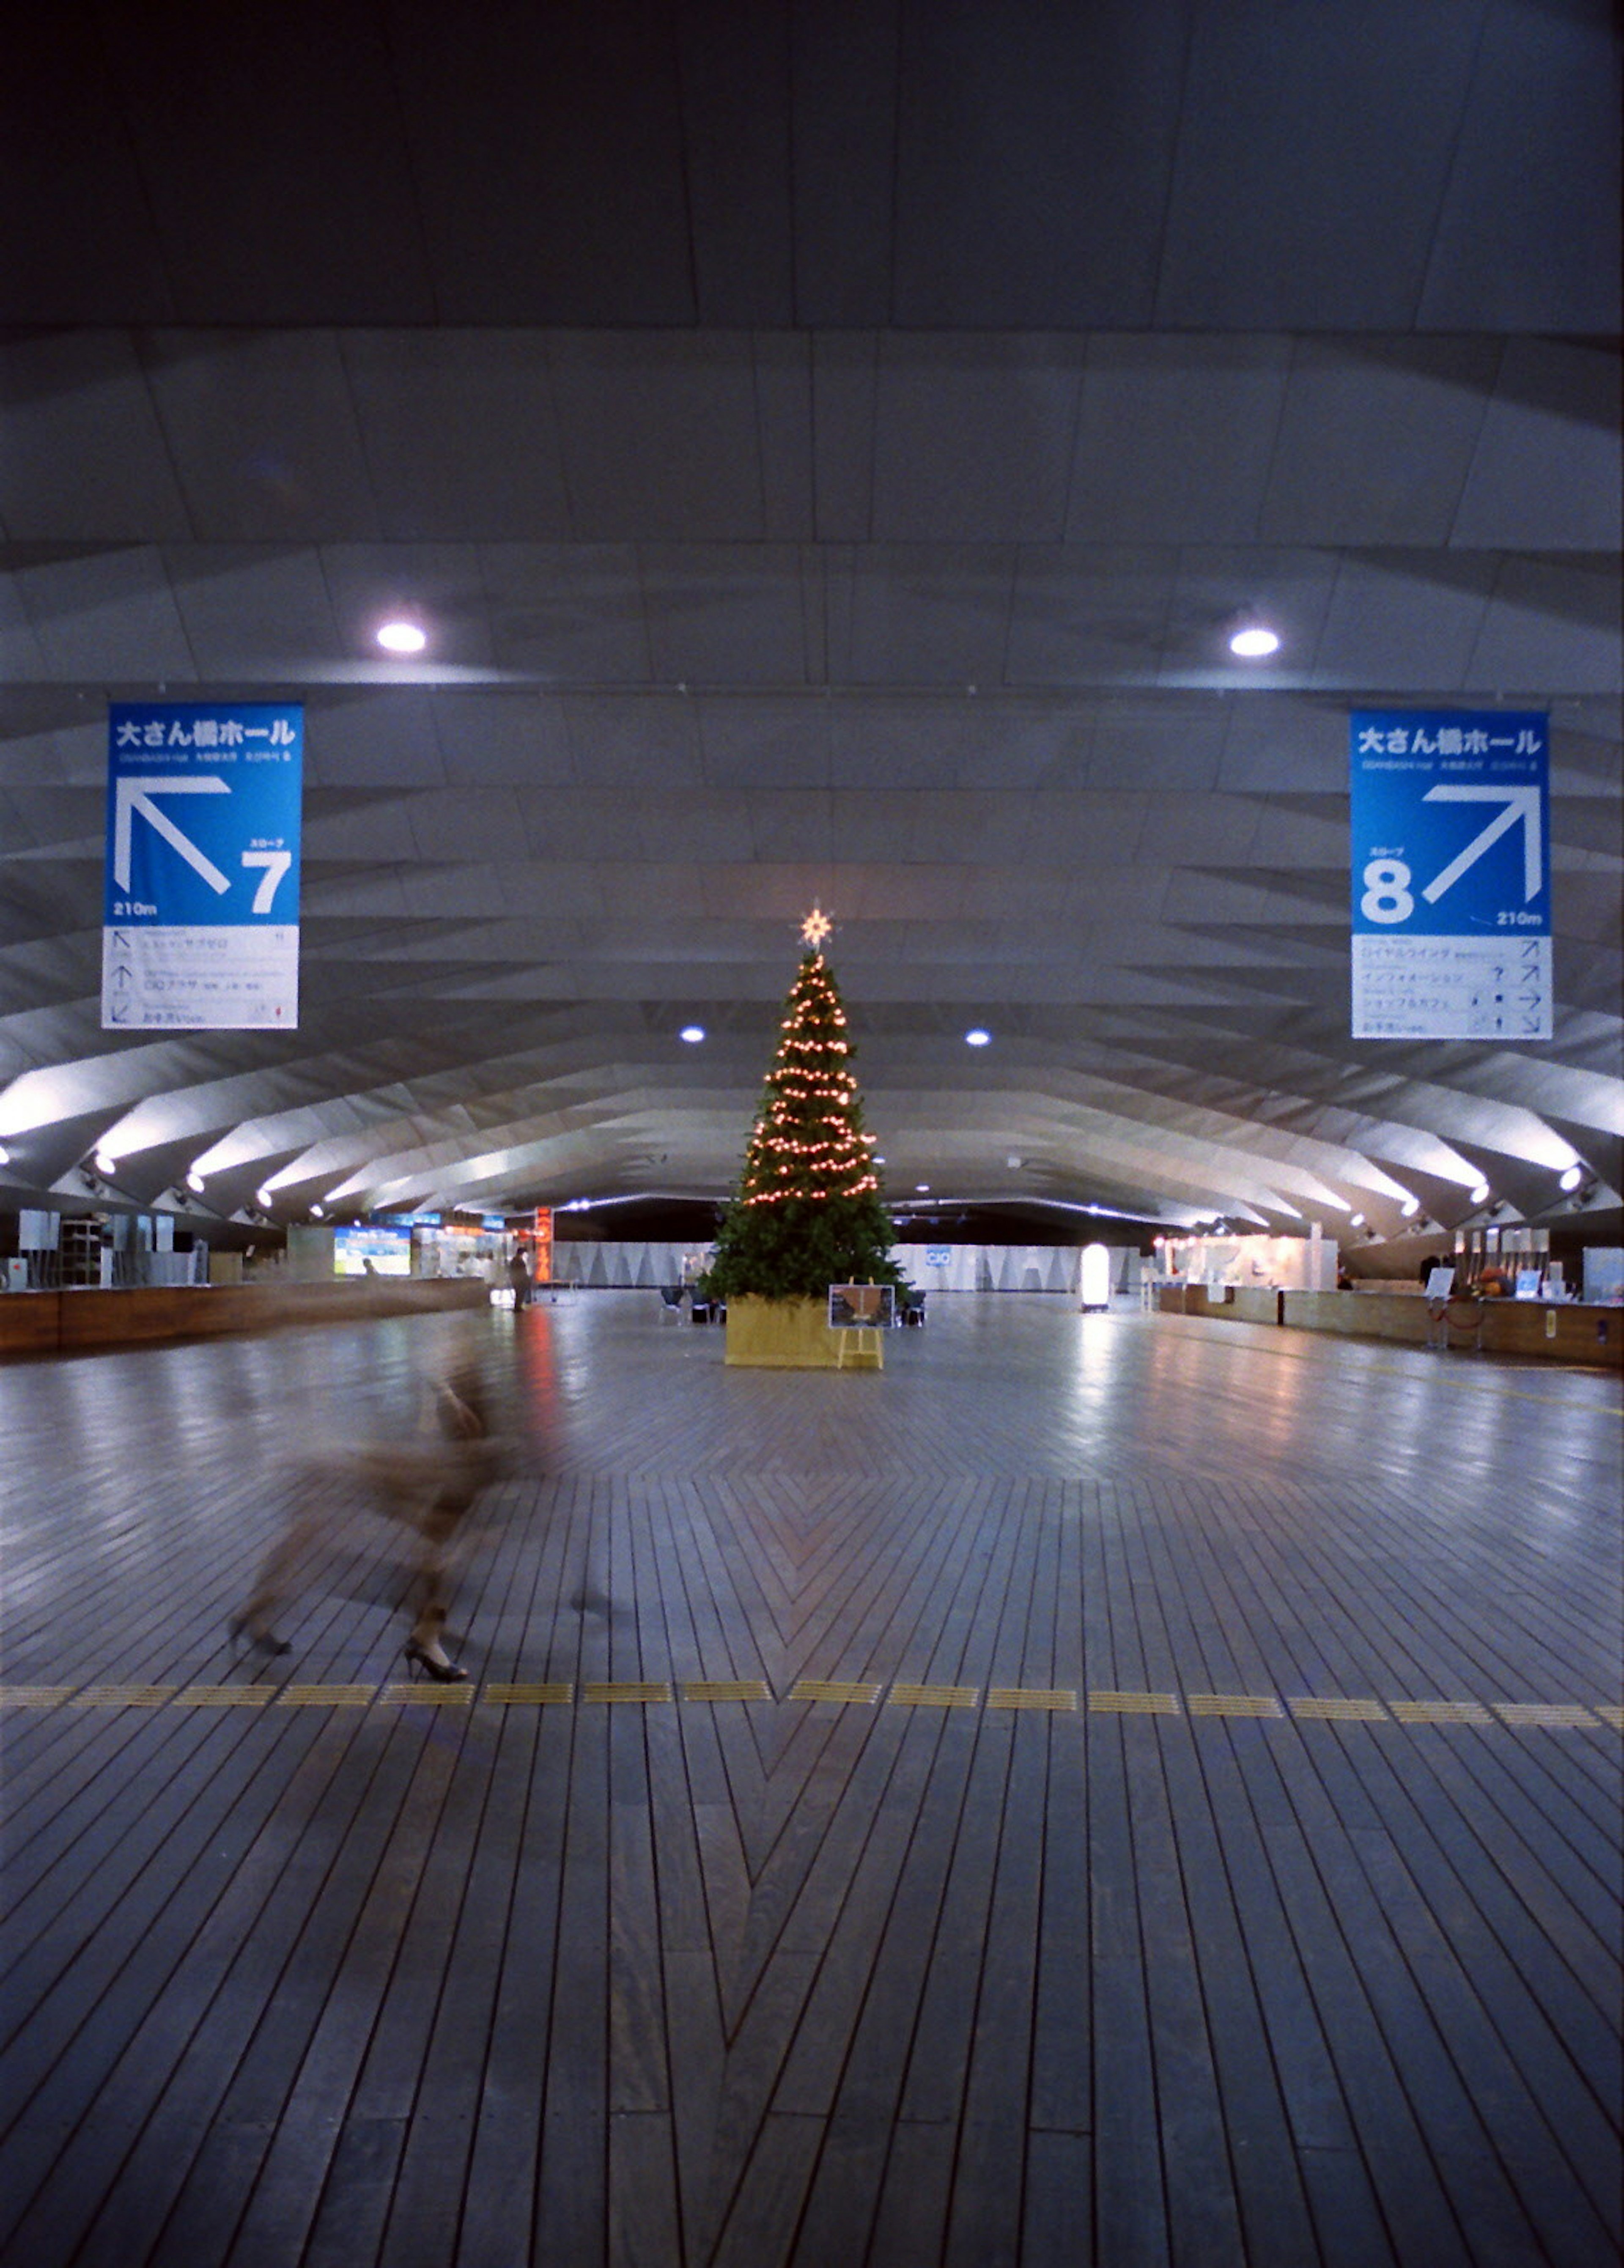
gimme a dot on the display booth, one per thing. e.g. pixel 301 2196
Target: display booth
pixel 1278 1263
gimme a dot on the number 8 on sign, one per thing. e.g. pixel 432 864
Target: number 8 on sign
pixel 1387 891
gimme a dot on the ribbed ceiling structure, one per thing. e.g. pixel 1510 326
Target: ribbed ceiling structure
pixel 828 447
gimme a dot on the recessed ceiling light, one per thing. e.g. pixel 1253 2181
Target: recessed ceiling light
pixel 1355 1220
pixel 194 1182
pixel 692 1032
pixel 1571 1177
pixel 977 1038
pixel 922 1189
pixel 879 1162
pixel 261 1196
pixel 318 1212
pixel 1480 1195
pixel 401 638
pixel 5 1155
pixel 1410 1208
pixel 105 1163
pixel 1255 642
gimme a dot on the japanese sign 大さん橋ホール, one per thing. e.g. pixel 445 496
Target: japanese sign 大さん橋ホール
pixel 1451 855
pixel 200 911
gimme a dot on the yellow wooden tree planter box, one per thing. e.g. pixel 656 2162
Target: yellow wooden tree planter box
pixel 794 1335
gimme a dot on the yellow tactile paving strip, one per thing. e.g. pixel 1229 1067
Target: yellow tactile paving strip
pixel 327 1696
pixel 1334 1708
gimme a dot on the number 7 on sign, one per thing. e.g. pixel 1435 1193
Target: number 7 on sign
pixel 276 864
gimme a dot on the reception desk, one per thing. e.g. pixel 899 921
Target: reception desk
pixel 1548 1330
pixel 73 1323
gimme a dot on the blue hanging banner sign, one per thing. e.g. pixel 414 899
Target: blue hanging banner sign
pixel 201 911
pixel 1451 882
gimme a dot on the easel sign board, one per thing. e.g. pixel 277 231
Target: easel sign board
pixel 861 1307
pixel 1440 1283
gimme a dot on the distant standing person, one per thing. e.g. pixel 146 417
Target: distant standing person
pixel 519 1276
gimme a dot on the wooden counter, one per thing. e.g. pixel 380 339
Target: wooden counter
pixel 1547 1330
pixel 72 1323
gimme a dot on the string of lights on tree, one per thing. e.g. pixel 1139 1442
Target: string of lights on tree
pixel 807 1211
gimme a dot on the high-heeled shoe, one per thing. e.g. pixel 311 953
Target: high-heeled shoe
pixel 242 1633
pixel 443 1672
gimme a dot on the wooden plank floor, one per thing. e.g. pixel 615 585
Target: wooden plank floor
pixel 1114 1788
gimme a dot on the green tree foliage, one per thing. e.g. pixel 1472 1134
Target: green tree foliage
pixel 808 1212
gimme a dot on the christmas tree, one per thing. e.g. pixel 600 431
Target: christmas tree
pixel 808 1213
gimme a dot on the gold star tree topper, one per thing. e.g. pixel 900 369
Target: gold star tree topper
pixel 816 927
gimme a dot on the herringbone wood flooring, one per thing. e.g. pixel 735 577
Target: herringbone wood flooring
pixel 1210 1852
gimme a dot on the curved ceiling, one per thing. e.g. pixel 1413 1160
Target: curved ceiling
pixel 828 448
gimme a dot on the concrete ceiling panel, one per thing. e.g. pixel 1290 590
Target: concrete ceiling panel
pixel 262 429
pixel 1404 619
pixel 246 607
pixel 1174 438
pixel 929 616
pixel 1033 165
pixel 107 615
pixel 566 615
pixel 1375 440
pixel 1089 616
pixel 1546 473
pixel 725 613
pixel 1542 113
pixel 657 436
pixel 1304 152
pixel 85 459
pixel 459 434
pixel 973 437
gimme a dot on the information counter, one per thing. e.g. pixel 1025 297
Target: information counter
pixel 1559 1331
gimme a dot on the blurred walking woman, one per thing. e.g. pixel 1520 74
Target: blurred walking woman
pixel 428 1487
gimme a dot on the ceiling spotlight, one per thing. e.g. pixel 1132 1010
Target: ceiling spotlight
pixel 261 1196
pixel 5 1155
pixel 318 1212
pixel 1571 1177
pixel 194 1182
pixel 401 638
pixel 692 1032
pixel 922 1189
pixel 105 1164
pixel 1254 642
pixel 1355 1220
pixel 1480 1195
pixel 977 1038
pixel 1410 1208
